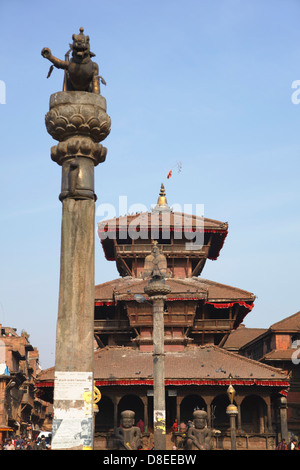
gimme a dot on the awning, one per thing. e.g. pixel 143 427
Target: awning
pixel 149 382
pixel 230 304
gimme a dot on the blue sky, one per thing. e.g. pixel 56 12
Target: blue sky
pixel 208 84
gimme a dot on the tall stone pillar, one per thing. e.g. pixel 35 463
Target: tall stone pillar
pixel 282 403
pixel 232 412
pixel 157 290
pixel 78 121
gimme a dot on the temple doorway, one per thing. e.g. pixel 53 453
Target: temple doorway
pixel 253 414
pixel 134 403
pixel 104 420
pixel 219 418
pixel 189 404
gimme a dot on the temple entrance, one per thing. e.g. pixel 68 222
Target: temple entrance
pixel 170 409
pixel 189 404
pixel 134 403
pixel 170 400
pixel 253 414
pixel 104 420
pixel 219 418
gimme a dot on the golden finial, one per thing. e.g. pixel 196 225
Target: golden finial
pixel 231 393
pixel 162 205
pixel 162 200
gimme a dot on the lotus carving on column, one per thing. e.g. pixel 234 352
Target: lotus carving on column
pixel 88 121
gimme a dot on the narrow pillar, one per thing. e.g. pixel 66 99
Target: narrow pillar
pixel 159 404
pixel 232 412
pixel 261 415
pixel 178 401
pixel 283 418
pixel 239 417
pixel 269 415
pixel 146 421
pixel 78 120
pixel 115 401
pixel 208 410
pixel 157 290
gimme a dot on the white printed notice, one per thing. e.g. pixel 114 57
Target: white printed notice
pixel 73 410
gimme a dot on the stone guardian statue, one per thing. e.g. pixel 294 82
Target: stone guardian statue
pixel 81 73
pixel 128 436
pixel 199 436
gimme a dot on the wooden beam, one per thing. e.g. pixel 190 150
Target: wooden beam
pixel 223 340
pixel 127 269
pixel 199 265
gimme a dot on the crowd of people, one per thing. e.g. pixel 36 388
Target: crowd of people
pixel 25 443
pixel 292 445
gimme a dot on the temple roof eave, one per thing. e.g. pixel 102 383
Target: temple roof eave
pixel 149 222
pixel 205 365
pixel 124 289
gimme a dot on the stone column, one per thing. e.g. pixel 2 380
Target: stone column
pixel 269 414
pixel 208 402
pixel 146 423
pixel 78 120
pixel 157 291
pixel 178 401
pixel 116 401
pixel 282 402
pixel 239 417
pixel 159 404
pixel 232 412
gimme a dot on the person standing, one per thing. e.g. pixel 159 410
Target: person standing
pixel 42 444
pixel 141 425
pixel 292 445
pixel 10 445
pixel 282 445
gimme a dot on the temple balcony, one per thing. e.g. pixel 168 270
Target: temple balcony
pixel 105 325
pixel 169 250
pixel 213 324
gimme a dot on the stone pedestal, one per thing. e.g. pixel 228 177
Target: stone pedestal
pixel 78 120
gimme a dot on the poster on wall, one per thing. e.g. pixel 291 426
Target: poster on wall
pixel 73 410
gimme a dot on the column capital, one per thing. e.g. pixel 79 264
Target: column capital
pixel 77 113
pixel 78 121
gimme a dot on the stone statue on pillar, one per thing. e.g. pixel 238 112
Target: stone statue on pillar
pixel 81 73
pixel 155 266
pixel 78 121
pixel 128 436
pixel 199 436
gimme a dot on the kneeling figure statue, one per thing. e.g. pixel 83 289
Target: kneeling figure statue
pixel 128 436
pixel 199 436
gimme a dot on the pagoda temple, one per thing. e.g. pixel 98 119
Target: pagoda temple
pixel 199 315
pixel 197 311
